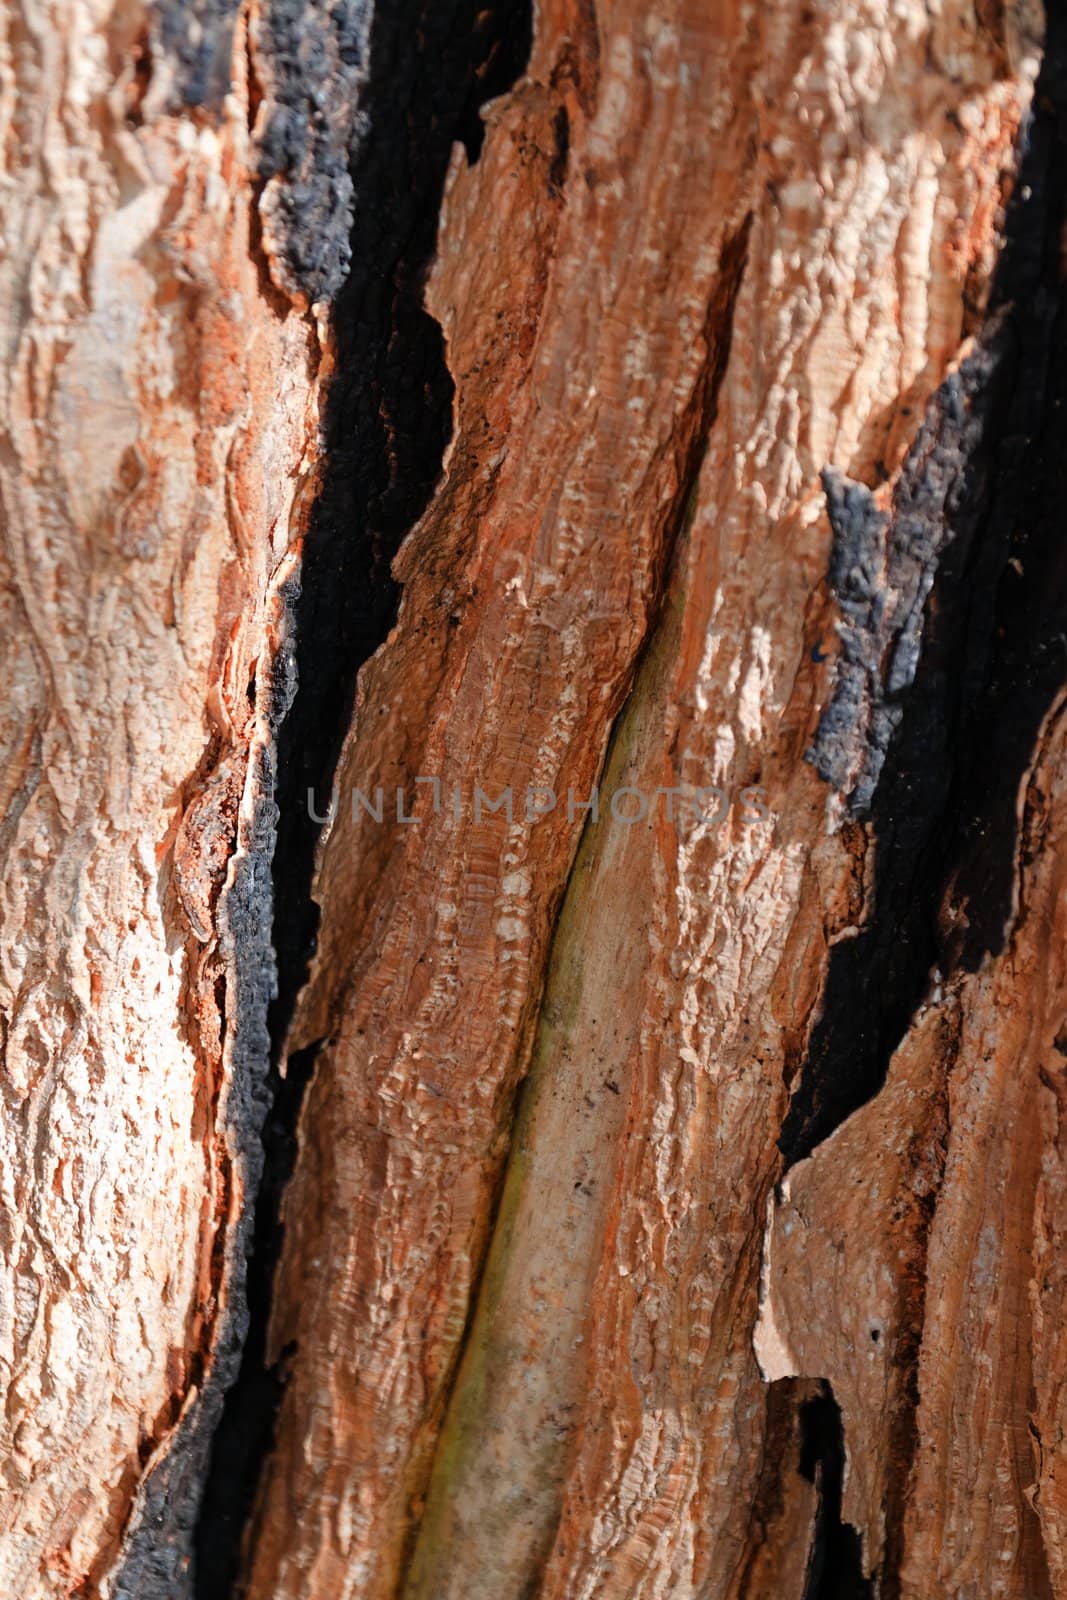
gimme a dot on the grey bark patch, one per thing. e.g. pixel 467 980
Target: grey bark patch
pixel 882 569
pixel 195 37
pixel 157 1554
pixel 311 67
pixel 853 732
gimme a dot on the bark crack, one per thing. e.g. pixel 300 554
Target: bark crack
pixel 835 1564
pixel 386 424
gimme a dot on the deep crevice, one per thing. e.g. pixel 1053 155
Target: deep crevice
pixel 387 421
pixel 779 1456
pixel 835 1560
pixel 982 496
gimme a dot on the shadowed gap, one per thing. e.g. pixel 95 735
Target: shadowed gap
pixel 835 1566
pixel 994 652
pixel 386 425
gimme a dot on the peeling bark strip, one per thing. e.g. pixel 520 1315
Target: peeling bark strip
pixel 671 392
pixel 490 1459
pixel 388 409
pixel 528 590
pixel 386 422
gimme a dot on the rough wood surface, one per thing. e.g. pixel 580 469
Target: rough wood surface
pixel 609 1414
pixel 157 416
pixel 677 1198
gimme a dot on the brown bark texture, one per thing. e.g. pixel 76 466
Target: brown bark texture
pixel 533 800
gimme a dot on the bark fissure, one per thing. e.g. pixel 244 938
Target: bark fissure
pixel 835 1567
pixel 387 421
pixel 876 979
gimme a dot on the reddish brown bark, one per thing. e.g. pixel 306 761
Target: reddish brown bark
pixel 676 1200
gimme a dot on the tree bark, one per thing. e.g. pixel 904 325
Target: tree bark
pixel 533 829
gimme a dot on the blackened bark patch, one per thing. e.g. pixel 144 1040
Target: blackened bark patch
pixel 850 741
pixel 429 69
pixel 980 507
pixel 835 1564
pixel 308 71
pixel 882 569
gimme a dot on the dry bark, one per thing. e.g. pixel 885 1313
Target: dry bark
pixel 436 406
pixel 158 422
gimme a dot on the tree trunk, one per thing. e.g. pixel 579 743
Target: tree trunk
pixel 534 800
